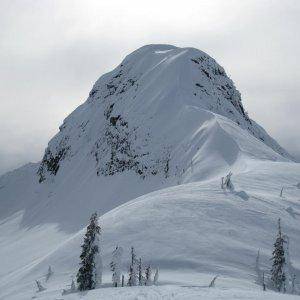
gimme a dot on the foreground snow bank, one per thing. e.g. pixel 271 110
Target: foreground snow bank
pixel 169 292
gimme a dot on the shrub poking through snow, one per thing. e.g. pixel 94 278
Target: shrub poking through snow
pixel 226 182
pixel 73 286
pixel 213 282
pixel 88 275
pixel 281 192
pixel 155 280
pixel 39 286
pixel 71 290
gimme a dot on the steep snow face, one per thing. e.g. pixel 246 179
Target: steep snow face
pixel 137 115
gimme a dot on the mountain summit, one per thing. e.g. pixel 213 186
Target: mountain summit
pixel 138 116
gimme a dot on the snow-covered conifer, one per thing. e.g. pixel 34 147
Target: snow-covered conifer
pixel 227 182
pixel 88 274
pixel 115 266
pixel 49 273
pixel 263 281
pixel 140 273
pixel 278 276
pixel 293 284
pixel 148 273
pixel 222 183
pixel 133 276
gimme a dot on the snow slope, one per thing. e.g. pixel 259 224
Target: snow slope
pixel 162 129
pixel 192 232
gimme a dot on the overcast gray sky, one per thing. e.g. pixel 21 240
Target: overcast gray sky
pixel 51 53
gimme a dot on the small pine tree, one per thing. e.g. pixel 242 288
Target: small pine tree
pixel 115 266
pixel 293 284
pixel 263 281
pixel 222 183
pixel 140 272
pixel 148 273
pixel 87 276
pixel 49 273
pixel 133 277
pixel 226 182
pixel 278 276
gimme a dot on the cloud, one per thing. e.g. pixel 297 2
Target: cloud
pixel 53 51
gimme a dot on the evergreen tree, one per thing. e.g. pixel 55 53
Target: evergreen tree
pixel 278 276
pixel 87 276
pixel 263 281
pixel 227 182
pixel 115 266
pixel 293 283
pixel 49 273
pixel 140 271
pixel 132 280
pixel 148 273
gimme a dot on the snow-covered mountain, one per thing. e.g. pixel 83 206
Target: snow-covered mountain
pixel 168 120
pixel 138 116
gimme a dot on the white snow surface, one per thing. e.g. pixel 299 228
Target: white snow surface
pixel 147 150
